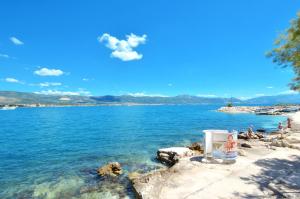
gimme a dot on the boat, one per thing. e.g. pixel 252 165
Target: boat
pixel 5 108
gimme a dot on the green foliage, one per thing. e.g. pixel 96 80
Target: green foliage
pixel 229 104
pixel 287 51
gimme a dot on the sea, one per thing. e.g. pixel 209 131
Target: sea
pixel 54 152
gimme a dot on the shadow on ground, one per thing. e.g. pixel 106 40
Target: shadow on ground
pixel 280 178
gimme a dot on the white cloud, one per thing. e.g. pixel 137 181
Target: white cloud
pixel 123 49
pixel 47 84
pixel 141 94
pixel 170 84
pixel 16 41
pixel 12 80
pixel 288 92
pixel 207 95
pixel 48 72
pixel 87 79
pixel 57 92
pixel 4 55
pixel 269 87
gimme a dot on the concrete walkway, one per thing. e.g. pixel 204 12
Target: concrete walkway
pixel 263 172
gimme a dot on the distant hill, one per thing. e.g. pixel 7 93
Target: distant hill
pixel 181 99
pixel 277 99
pixel 12 97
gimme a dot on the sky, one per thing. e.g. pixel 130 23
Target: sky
pixel 156 48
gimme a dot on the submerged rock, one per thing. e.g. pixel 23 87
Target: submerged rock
pixel 111 169
pixel 171 156
pixel 133 175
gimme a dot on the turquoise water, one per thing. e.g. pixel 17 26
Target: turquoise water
pixel 54 152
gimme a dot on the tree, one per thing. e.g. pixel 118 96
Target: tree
pixel 287 51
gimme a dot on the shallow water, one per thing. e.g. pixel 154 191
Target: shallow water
pixel 54 152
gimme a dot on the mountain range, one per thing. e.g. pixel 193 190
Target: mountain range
pixel 12 97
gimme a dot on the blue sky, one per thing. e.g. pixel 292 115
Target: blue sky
pixel 206 48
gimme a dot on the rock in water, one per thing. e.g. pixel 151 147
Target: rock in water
pixel 243 136
pixel 196 146
pixel 259 135
pixel 133 175
pixel 261 130
pixel 246 145
pixel 170 156
pixel 111 169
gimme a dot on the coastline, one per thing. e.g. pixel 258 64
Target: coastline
pixel 91 184
pixel 78 105
pixel 260 171
pixel 96 105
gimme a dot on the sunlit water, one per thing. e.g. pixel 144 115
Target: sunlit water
pixel 54 152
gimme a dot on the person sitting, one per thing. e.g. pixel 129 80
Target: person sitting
pixel 280 129
pixel 250 133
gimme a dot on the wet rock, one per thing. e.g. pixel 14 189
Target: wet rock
pixel 168 158
pixel 149 185
pixel 111 169
pixel 196 146
pixel 245 145
pixel 259 135
pixel 133 175
pixel 243 136
pixel 261 130
pixel 171 156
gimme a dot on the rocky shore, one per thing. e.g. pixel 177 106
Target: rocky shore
pixel 267 167
pixel 261 110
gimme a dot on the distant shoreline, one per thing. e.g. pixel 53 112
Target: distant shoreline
pixel 32 99
pixel 77 105
pixel 108 104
